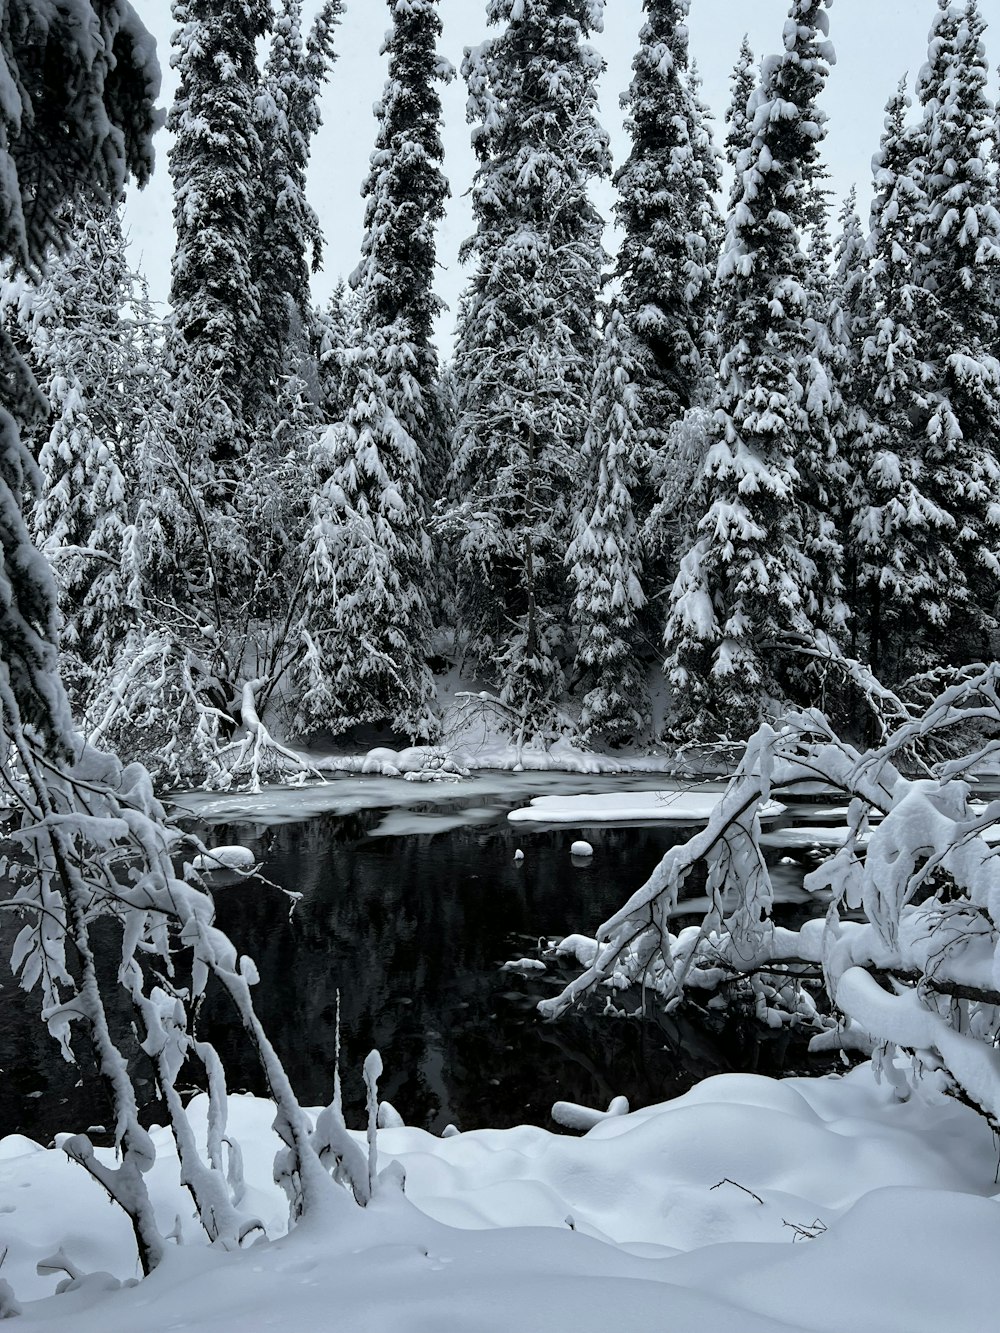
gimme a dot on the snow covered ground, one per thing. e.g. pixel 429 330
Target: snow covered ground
pixel 693 1215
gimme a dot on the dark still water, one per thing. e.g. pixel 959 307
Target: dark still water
pixel 411 930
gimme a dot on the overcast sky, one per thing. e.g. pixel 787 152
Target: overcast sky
pixel 876 41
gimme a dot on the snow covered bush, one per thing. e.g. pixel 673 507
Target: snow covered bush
pixel 85 843
pixel 907 931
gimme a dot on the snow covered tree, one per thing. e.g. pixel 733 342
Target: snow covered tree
pixel 334 331
pixel 405 194
pixel 288 240
pixel 743 81
pixel 526 336
pixel 76 121
pixel 907 940
pixel 956 260
pixel 666 208
pixel 90 336
pixel 900 539
pixel 365 626
pixel 763 565
pixel 93 846
pixel 604 557
pixel 217 164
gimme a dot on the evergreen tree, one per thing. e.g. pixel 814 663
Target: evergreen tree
pixel 666 207
pixel 956 260
pixel 217 164
pixel 289 242
pixel 78 120
pixel 406 191
pixel 526 335
pixel 847 306
pixel 91 337
pixel 604 556
pixel 900 538
pixel 743 81
pixel 365 627
pixel 334 327
pixel 761 568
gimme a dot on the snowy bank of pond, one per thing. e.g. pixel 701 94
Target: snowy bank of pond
pixel 748 1205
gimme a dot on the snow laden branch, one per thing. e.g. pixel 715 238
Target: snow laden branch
pixel 906 937
pixel 89 846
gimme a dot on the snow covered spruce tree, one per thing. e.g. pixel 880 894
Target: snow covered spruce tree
pixel 217 164
pixel 666 208
pixel 90 838
pixel 604 558
pixel 763 566
pixel 526 338
pixel 405 194
pixel 902 556
pixel 365 626
pixel 89 334
pixel 743 82
pixel 956 259
pixel 288 241
pixel 230 508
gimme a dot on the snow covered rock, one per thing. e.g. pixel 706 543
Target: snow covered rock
pixel 236 858
pixel 581 848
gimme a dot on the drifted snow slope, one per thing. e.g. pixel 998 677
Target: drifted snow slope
pixel 648 1222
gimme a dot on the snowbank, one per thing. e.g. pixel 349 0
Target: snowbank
pixel 690 1215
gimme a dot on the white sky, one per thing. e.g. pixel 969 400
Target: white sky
pixel 876 42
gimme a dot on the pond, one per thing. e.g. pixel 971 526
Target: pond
pixel 411 901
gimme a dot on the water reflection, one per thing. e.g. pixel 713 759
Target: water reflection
pixel 410 932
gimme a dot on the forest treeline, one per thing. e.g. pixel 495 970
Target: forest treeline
pixel 758 448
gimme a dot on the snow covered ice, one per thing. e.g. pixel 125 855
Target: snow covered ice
pixel 618 807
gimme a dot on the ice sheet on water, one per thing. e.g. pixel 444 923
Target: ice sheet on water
pixel 619 807
pixel 348 794
pixel 409 823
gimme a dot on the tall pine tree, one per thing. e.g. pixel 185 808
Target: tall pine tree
pixel 604 557
pixel 666 208
pixel 900 538
pixel 288 238
pixel 406 191
pixel 957 257
pixel 757 571
pixel 217 164
pixel 526 337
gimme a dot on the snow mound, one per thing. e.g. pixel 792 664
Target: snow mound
pixel 217 859
pixel 685 1215
pixel 619 807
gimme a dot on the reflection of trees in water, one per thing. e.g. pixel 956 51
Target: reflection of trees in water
pixel 411 931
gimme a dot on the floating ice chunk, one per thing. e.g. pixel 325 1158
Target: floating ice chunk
pixel 225 858
pixel 581 849
pixel 645 807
